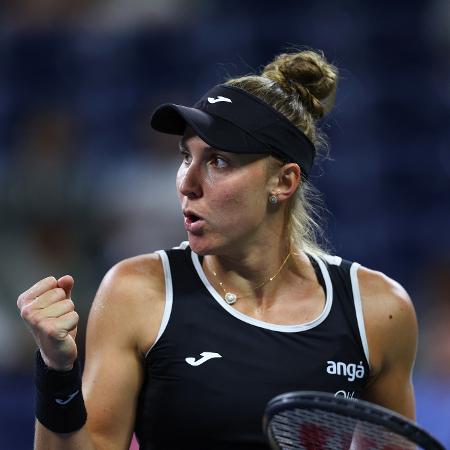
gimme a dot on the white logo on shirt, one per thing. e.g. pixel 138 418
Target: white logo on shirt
pixel 351 371
pixel 219 98
pixel 206 356
pixel 346 394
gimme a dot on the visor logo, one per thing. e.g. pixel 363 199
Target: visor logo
pixel 219 98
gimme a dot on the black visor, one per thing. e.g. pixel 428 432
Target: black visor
pixel 230 119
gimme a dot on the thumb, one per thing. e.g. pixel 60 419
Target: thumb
pixel 66 282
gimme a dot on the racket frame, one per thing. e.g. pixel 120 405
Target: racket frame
pixel 354 408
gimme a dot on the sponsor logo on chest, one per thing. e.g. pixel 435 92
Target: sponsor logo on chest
pixel 351 370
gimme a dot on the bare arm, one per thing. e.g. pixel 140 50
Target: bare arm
pixel 123 323
pixel 391 328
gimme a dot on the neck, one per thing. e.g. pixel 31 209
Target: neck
pixel 253 274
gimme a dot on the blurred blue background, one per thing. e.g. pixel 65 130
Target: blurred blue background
pixel 84 182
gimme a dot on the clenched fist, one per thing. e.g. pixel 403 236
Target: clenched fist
pixel 50 314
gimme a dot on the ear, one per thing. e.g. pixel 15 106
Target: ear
pixel 289 179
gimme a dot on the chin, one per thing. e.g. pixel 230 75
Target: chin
pixel 203 246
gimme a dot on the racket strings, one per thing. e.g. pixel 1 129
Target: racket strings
pixel 300 429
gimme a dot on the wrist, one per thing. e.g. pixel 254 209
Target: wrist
pixel 51 366
pixel 59 399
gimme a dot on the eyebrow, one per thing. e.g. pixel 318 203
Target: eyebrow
pixel 184 148
pixel 182 145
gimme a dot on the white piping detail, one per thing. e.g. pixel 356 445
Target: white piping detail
pixel 182 245
pixel 334 260
pixel 169 297
pixel 358 308
pixel 259 323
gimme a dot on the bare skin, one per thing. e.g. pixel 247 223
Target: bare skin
pixel 236 233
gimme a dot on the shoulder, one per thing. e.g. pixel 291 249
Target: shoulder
pixel 389 317
pixel 142 271
pixel 131 300
pixel 383 295
pixel 136 279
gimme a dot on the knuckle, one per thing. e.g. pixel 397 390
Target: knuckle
pixel 26 312
pixel 34 320
pixel 73 316
pixel 69 302
pixel 20 300
pixel 70 305
pixel 55 332
pixel 57 294
pixel 60 292
pixel 48 282
pixel 65 306
pixel 51 296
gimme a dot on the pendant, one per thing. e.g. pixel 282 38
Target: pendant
pixel 230 298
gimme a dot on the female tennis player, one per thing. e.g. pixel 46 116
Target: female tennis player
pixel 186 346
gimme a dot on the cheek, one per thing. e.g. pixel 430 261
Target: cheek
pixel 239 203
pixel 179 179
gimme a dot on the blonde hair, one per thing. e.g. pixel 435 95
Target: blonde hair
pixel 302 87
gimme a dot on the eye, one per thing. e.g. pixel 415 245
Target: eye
pixel 187 158
pixel 219 162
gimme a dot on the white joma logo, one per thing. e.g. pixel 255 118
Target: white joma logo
pixel 60 401
pixel 351 371
pixel 219 98
pixel 205 357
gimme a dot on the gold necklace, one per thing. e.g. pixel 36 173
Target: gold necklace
pixel 231 298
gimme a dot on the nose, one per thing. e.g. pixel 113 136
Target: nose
pixel 189 181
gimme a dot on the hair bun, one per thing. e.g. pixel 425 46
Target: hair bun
pixel 308 75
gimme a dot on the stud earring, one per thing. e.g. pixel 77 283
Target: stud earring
pixel 273 199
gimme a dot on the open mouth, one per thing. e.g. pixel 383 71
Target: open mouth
pixel 192 222
pixel 193 218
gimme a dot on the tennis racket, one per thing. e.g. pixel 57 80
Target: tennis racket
pixel 308 420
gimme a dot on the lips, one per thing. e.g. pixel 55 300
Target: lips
pixel 191 215
pixel 193 223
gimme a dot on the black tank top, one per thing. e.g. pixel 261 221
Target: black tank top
pixel 212 369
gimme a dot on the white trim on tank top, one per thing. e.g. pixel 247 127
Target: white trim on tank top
pixel 169 297
pixel 358 308
pixel 283 328
pixel 259 323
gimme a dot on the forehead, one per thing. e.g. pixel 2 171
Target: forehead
pixel 191 141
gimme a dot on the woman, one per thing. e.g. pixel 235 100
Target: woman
pixel 187 346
